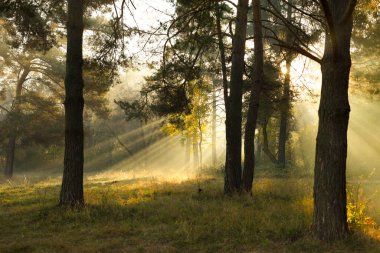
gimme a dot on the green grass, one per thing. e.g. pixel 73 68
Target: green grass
pixel 155 216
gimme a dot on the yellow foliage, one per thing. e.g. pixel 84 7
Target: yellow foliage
pixel 357 208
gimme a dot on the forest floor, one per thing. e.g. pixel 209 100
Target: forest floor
pixel 149 215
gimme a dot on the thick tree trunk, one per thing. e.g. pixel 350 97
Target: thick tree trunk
pixel 253 110
pixel 213 125
pixel 11 148
pixel 283 135
pixel 72 181
pixel 330 213
pixel 232 181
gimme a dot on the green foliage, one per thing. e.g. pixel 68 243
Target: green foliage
pixel 179 88
pixel 31 23
pixel 38 121
pixel 365 77
pixel 138 109
pixel 192 124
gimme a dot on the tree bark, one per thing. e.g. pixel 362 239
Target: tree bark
pixel 253 109
pixel 11 148
pixel 225 94
pixel 285 101
pixel 330 212
pixel 232 182
pixel 72 181
pixel 285 106
pixel 222 60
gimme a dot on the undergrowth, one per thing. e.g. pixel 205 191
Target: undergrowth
pixel 157 216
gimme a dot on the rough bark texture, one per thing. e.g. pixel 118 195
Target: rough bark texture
pixel 253 110
pixel 330 213
pixel 11 147
pixel 232 182
pixel 72 181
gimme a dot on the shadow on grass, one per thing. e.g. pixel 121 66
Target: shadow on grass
pixel 152 216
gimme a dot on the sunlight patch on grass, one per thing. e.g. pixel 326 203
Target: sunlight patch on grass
pixel 153 216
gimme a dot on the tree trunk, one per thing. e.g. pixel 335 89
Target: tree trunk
pixel 283 135
pixel 253 110
pixel 266 148
pixel 232 181
pixel 187 151
pixel 222 59
pixel 258 149
pixel 285 101
pixel 195 151
pixel 213 125
pixel 330 212
pixel 11 148
pixel 9 160
pixel 227 174
pixel 144 142
pixel 200 142
pixel 72 181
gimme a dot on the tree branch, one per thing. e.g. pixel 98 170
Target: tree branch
pixel 301 51
pixel 331 26
pixel 5 109
pixel 119 141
